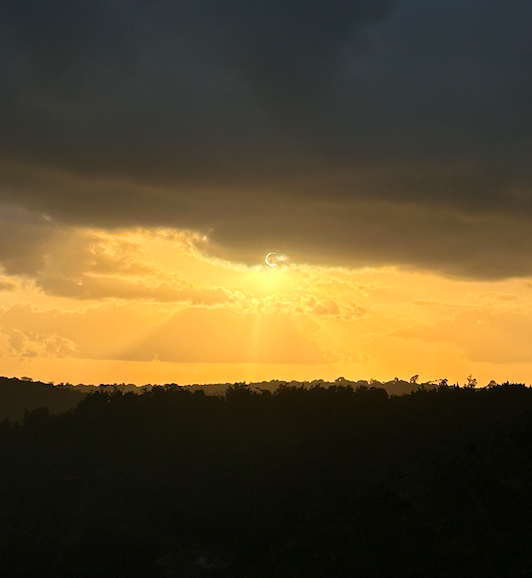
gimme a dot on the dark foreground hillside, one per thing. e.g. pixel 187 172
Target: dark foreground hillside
pixel 308 483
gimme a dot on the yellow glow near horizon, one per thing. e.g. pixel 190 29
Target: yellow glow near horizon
pixel 152 306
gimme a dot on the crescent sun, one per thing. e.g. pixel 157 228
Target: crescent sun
pixel 267 260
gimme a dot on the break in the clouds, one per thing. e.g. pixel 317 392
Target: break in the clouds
pixel 348 132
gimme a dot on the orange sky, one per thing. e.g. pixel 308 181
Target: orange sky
pixel 154 306
pixel 151 157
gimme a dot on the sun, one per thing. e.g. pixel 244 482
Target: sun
pixel 273 259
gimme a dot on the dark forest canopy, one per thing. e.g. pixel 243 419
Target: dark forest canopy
pixel 313 482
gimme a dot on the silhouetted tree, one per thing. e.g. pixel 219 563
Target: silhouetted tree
pixel 471 382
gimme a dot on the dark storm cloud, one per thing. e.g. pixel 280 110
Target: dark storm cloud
pixel 230 116
pixel 24 238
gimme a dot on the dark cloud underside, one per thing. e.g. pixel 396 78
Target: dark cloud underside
pixel 286 122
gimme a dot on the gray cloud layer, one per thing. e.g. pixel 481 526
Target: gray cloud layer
pixel 360 132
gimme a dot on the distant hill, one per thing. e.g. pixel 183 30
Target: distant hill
pixel 18 395
pixel 393 387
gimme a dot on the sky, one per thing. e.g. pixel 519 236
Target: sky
pixel 153 153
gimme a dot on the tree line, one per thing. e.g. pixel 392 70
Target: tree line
pixel 317 481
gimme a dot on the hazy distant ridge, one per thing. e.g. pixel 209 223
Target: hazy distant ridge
pixel 20 395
